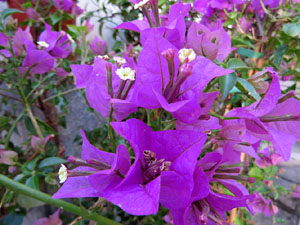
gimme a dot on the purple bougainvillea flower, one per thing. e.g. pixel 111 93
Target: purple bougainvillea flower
pixel 268 158
pixel 37 62
pixel 22 41
pixel 60 72
pixel 4 43
pixel 296 194
pixel 162 171
pixel 204 122
pixel 172 79
pixel 98 47
pixel 274 118
pixel 206 206
pixel 32 14
pixel 106 87
pixel 174 27
pixel 8 157
pixel 213 43
pixel 39 144
pixel 65 5
pixel 55 43
pixel 98 172
pixel 260 205
pixel 53 219
pixel 76 10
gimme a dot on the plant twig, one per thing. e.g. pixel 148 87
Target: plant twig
pixel 30 192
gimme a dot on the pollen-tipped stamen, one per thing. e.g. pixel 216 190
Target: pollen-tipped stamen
pixel 285 97
pixel 169 55
pixel 108 68
pixel 185 71
pixel 286 117
pixel 239 178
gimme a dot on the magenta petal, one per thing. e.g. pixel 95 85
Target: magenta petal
pixel 82 74
pixel 108 179
pixel 98 98
pixel 291 106
pixel 90 152
pixel 135 198
pixel 39 61
pixel 201 185
pixel 178 9
pixel 122 108
pixel 203 71
pixel 136 132
pixel 77 187
pixel 270 99
pixel 200 125
pixel 135 25
pixel 283 143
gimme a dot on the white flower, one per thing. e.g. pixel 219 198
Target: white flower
pixel 43 44
pixel 140 4
pixel 119 60
pixel 105 57
pixel 126 73
pixel 186 53
pixel 62 173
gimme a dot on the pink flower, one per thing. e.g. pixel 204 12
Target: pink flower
pixel 52 220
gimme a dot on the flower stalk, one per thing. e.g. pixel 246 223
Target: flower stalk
pixel 80 211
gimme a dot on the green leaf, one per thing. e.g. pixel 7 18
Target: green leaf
pixel 33 182
pixel 257 173
pixel 4 120
pixel 27 202
pixel 279 53
pixel 12 219
pixel 7 12
pixel 238 221
pixel 248 87
pixel 55 17
pixel 292 29
pixel 236 64
pixel 20 177
pixel 249 53
pixel 227 82
pixel 32 164
pixel 51 161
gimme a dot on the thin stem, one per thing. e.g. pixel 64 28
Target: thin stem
pixel 110 132
pixel 148 117
pixel 30 114
pixel 30 192
pixel 223 117
pixel 60 94
pixel 12 128
pixel 3 198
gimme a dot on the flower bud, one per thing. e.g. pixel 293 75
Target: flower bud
pixel 186 70
pixel 169 54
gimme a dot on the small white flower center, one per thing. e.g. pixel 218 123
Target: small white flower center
pixel 186 53
pixel 105 57
pixel 119 60
pixel 43 44
pixel 140 4
pixel 126 73
pixel 62 173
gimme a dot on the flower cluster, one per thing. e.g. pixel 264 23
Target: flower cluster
pixel 38 57
pixel 195 169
